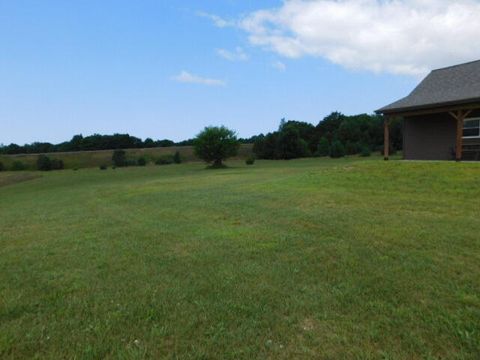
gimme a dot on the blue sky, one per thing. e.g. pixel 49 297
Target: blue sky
pixel 166 69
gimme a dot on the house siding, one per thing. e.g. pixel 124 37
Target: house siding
pixel 429 137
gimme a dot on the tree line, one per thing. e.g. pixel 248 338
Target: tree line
pixel 94 142
pixel 336 135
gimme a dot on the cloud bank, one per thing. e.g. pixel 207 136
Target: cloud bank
pixel 407 37
pixel 186 77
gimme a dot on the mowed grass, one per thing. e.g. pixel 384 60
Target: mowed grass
pixel 300 259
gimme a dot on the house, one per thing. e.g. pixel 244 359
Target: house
pixel 441 116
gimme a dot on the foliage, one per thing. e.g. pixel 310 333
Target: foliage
pixel 88 143
pixel 352 131
pixel 250 160
pixel 323 148
pixel 119 158
pixel 216 144
pixel 141 161
pixel 337 150
pixel 290 144
pixel 365 151
pixel 57 164
pixel 18 166
pixel 177 159
pixel 2 167
pixel 44 163
pixel 164 160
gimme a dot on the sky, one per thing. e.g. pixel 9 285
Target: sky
pixel 166 69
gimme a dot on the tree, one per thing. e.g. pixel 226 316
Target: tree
pixel 337 150
pixel 323 148
pixel 119 158
pixel 177 159
pixel 216 144
pixel 290 144
pixel 44 163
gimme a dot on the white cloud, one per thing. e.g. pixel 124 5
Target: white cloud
pixel 280 66
pixel 237 55
pixel 186 77
pixel 216 20
pixel 406 37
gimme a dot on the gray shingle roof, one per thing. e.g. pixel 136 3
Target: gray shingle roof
pixel 459 83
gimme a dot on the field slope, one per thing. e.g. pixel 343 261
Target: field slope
pixel 302 259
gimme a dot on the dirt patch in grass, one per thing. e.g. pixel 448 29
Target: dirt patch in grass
pixel 16 178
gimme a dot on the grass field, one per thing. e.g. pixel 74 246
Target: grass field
pixel 313 258
pixel 88 159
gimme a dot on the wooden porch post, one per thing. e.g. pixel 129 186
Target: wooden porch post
pixel 386 138
pixel 459 116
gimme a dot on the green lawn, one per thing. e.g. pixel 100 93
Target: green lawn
pixel 302 259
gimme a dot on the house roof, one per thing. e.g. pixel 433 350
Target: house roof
pixel 448 86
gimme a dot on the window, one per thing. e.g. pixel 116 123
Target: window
pixel 471 128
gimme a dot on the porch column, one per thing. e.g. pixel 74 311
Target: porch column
pixel 386 138
pixel 459 116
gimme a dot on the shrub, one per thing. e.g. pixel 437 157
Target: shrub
pixel 44 163
pixel 337 150
pixel 164 160
pixel 177 159
pixel 57 164
pixel 323 148
pixel 352 148
pixel 365 151
pixel 103 167
pixel 250 160
pixel 18 166
pixel 119 158
pixel 216 144
pixel 141 161
pixel 2 167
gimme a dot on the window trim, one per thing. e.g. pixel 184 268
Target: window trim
pixel 463 128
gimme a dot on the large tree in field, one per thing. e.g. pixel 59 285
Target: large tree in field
pixel 216 144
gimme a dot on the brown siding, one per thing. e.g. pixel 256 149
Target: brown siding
pixel 429 137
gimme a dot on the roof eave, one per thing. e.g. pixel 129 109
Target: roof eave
pixel 402 110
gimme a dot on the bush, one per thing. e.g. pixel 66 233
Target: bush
pixel 103 167
pixel 18 166
pixel 323 148
pixel 216 144
pixel 2 167
pixel 352 148
pixel 250 160
pixel 119 158
pixel 365 151
pixel 337 150
pixel 164 160
pixel 57 164
pixel 141 161
pixel 177 159
pixel 44 163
